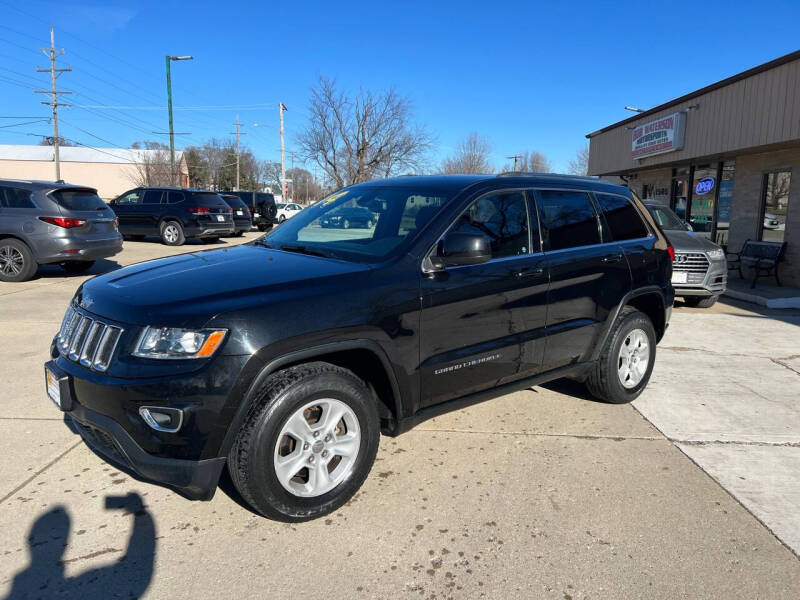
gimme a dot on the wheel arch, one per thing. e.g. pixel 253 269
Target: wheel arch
pixel 363 357
pixel 649 300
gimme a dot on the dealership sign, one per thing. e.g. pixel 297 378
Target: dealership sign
pixel 656 137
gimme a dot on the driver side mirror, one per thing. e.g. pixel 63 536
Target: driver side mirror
pixel 461 248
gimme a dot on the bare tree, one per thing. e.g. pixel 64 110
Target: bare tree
pixel 357 138
pixel 531 161
pixel 580 164
pixel 153 167
pixel 472 155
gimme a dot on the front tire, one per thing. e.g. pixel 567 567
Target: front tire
pixel 700 302
pixel 282 218
pixel 626 361
pixel 262 227
pixel 16 261
pixel 307 444
pixel 172 233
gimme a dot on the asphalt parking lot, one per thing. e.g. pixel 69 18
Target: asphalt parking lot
pixel 692 492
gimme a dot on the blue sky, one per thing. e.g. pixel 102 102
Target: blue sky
pixel 527 75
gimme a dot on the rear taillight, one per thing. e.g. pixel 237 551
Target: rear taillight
pixel 66 223
pixel 671 252
pixel 230 210
pixel 199 210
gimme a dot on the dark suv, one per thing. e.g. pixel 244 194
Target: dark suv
pixel 42 222
pixel 242 221
pixel 466 287
pixel 174 214
pixel 263 207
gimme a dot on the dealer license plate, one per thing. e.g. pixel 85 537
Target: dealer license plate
pixel 679 276
pixel 220 217
pixel 53 389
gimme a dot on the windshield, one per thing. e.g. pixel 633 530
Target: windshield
pixel 666 219
pixel 78 199
pixel 363 224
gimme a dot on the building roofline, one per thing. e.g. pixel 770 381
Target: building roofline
pixel 792 56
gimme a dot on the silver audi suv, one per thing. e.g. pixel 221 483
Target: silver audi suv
pixel 42 222
pixel 699 271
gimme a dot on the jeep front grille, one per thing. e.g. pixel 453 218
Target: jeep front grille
pixel 694 264
pixel 86 340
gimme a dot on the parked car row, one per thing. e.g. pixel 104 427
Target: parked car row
pixel 43 222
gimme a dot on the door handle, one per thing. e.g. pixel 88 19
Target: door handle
pixel 530 272
pixel 613 258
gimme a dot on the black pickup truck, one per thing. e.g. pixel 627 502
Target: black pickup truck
pixel 463 288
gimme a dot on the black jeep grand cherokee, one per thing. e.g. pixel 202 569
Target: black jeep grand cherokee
pixel 464 288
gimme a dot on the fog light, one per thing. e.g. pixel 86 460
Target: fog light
pixel 168 420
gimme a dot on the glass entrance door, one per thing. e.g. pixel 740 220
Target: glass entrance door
pixel 679 195
pixel 704 193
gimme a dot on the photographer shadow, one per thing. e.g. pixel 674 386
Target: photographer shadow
pixel 129 576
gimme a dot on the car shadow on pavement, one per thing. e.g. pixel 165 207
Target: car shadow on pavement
pixel 128 577
pixel 569 387
pixel 56 272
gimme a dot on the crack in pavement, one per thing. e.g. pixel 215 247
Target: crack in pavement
pixel 728 354
pixel 616 438
pixel 40 471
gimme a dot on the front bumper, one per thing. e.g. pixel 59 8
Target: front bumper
pixel 194 479
pixel 712 283
pixel 104 410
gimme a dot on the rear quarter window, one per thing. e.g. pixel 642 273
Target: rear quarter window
pixel 622 217
pixel 15 198
pixel 77 199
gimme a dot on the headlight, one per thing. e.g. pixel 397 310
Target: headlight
pixel 716 254
pixel 171 343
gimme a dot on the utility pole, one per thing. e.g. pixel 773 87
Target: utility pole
pixel 282 108
pixel 169 105
pixel 516 157
pixel 238 133
pixel 54 103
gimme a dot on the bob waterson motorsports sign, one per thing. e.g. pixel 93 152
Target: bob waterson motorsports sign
pixel 660 136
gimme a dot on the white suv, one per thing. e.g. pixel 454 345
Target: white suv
pixel 287 211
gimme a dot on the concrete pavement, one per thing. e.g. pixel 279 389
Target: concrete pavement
pixel 541 493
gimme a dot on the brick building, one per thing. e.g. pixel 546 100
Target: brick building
pixel 726 157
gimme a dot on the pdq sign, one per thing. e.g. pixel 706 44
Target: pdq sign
pixel 704 186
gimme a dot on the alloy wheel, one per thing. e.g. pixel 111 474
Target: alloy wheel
pixel 317 447
pixel 634 356
pixel 171 233
pixel 11 261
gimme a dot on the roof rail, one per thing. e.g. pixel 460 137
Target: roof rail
pixel 530 174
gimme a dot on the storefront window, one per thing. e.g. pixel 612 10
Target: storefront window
pixel 776 204
pixel 724 197
pixel 704 190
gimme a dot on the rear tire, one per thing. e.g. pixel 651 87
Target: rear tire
pixel 700 302
pixel 16 261
pixel 619 376
pixel 172 233
pixel 282 218
pixel 262 227
pixel 313 483
pixel 76 266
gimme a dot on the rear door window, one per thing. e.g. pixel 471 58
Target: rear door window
pixel 622 217
pixel 152 197
pixel 568 218
pixel 77 199
pixel 15 198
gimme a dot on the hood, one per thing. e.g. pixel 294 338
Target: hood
pixel 189 289
pixel 689 241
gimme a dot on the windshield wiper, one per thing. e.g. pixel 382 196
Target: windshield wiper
pixel 261 242
pixel 304 250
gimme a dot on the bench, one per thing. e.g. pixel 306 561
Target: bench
pixel 762 257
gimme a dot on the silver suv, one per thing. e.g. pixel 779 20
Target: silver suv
pixel 699 271
pixel 42 222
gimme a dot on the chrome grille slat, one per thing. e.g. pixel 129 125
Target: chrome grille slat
pixel 87 340
pixel 693 263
